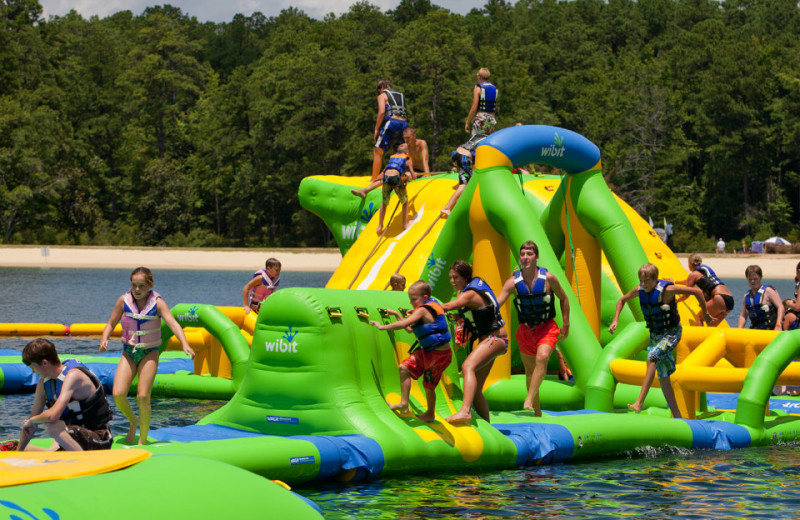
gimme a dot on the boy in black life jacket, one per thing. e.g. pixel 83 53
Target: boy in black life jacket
pixel 433 355
pixel 77 414
pixel 657 299
pixel 538 332
pixel 761 303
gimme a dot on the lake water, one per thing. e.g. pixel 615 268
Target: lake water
pixel 751 483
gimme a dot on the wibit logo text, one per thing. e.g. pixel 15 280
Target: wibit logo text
pixel 191 316
pixel 286 343
pixel 556 149
pixel 436 266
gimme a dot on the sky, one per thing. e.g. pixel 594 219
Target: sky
pixel 223 10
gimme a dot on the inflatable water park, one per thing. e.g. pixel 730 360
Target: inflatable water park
pixel 307 382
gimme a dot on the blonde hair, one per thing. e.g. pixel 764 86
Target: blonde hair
pixel 420 286
pixel 648 271
pixel 484 73
pixel 397 279
pixel 695 260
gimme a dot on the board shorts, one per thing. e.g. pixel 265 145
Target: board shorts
pixel 543 334
pixel 484 123
pixel 137 354
pixel 662 351
pixel 399 189
pixel 464 165
pixel 391 133
pixel 91 440
pixel 429 365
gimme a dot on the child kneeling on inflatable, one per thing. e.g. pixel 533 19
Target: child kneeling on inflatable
pixel 430 355
pixel 657 300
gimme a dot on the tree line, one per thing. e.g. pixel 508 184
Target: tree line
pixel 158 129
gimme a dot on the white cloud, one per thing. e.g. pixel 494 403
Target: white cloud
pixel 223 11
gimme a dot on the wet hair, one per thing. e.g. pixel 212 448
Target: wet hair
pixel 272 262
pixel 148 275
pixel 530 244
pixel 695 260
pixel 384 84
pixel 463 269
pixel 648 271
pixel 420 286
pixel 397 279
pixel 484 73
pixel 38 350
pixel 753 269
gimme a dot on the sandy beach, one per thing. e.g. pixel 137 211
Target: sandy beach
pixel 161 258
pixel 726 265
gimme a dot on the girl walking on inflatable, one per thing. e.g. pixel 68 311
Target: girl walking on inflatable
pixel 141 310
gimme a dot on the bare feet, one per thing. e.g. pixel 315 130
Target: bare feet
pixel 406 225
pixel 460 417
pixel 634 408
pixel 379 230
pixel 400 407
pixel 428 416
pixel 358 193
pixel 142 441
pixel 131 432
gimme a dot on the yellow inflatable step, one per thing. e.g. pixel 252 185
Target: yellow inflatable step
pixel 25 467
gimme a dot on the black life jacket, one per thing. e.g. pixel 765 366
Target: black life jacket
pixel 660 317
pixel 536 306
pixel 93 412
pixel 484 320
pixel 762 316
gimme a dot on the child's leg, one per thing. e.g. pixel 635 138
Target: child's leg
pixel 405 214
pixel 646 384
pixel 480 358
pixel 147 374
pixel 122 383
pixel 58 431
pixel 405 389
pixel 430 413
pixel 381 214
pixel 363 191
pixel 481 406
pixel 538 366
pixel 669 395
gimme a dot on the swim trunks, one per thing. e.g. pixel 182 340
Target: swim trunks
pixel 662 351
pixel 391 133
pixel 90 440
pixel 399 189
pixel 484 123
pixel 137 354
pixel 430 365
pixel 543 334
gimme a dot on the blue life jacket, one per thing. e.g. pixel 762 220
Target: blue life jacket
pixel 796 323
pixel 709 281
pixel 536 306
pixel 93 412
pixel 484 320
pixel 432 335
pixel 397 162
pixel 660 317
pixel 395 103
pixel 488 99
pixel 760 317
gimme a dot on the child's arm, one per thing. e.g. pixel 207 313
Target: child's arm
pixel 633 293
pixel 412 175
pixel 742 315
pixel 116 315
pixel 404 323
pixel 555 287
pixel 771 295
pixel 691 291
pixel 29 428
pixel 174 326
pixel 461 301
pixel 246 292
pixel 505 292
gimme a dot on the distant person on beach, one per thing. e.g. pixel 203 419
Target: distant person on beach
pixel 397 282
pixel 395 176
pixel 263 283
pixel 744 246
pixel 140 311
pixel 478 308
pixel 720 246
pixel 481 117
pixel 535 289
pixel 719 300
pixel 431 353
pixel 77 413
pixel 463 159
pixel 391 121
pixel 761 303
pixel 660 309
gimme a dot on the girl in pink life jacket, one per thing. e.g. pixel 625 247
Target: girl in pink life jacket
pixel 264 282
pixel 140 310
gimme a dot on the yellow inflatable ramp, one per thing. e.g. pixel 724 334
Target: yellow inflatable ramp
pixel 25 467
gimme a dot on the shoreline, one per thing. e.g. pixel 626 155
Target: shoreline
pixel 101 257
pixel 774 266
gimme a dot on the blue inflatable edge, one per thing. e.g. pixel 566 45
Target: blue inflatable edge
pixel 539 443
pixel 718 435
pixel 337 453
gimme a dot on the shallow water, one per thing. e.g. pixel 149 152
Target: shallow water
pixel 751 483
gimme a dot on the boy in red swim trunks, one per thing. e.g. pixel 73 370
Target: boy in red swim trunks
pixel 537 334
pixel 430 355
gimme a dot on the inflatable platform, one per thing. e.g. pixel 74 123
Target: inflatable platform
pixel 311 393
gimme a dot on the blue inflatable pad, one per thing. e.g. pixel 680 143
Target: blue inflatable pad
pixel 539 443
pixel 718 435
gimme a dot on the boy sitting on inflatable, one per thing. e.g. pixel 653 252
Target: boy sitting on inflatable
pixel 430 355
